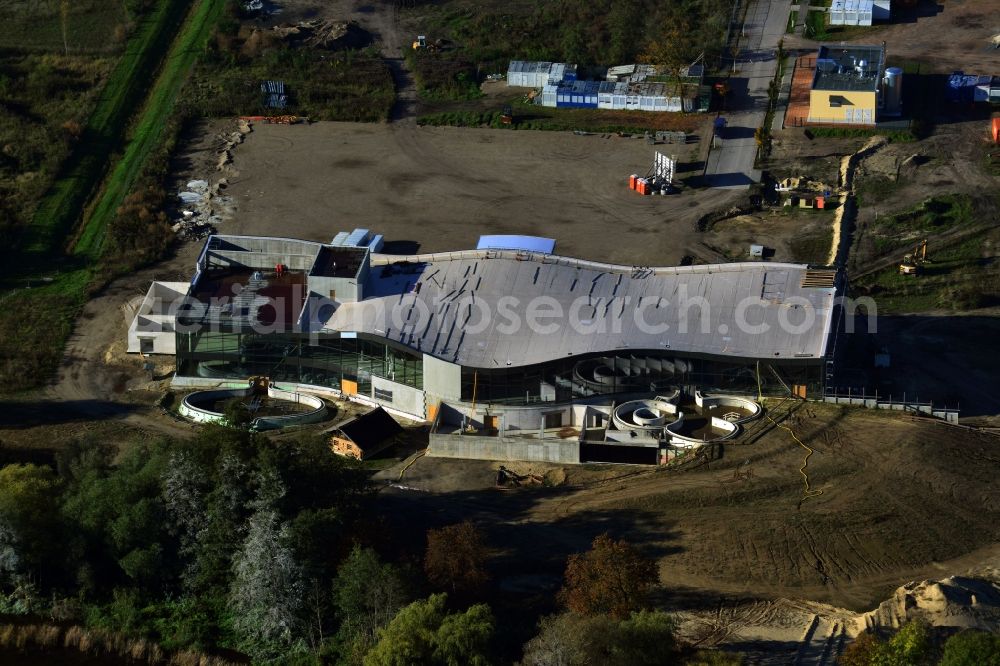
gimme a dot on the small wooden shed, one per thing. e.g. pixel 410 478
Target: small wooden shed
pixel 366 435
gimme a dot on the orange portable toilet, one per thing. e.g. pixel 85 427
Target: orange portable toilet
pixel 641 186
pixel 996 130
pixel 631 181
pixel 820 202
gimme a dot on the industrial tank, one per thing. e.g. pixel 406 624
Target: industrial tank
pixel 892 92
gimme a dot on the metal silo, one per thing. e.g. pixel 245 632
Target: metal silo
pixel 892 92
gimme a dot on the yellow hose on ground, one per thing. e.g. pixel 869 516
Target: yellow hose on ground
pixel 808 492
pixel 415 458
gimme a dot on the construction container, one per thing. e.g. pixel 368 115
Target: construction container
pixel 577 95
pixel 528 74
pixel 536 74
pixel 852 12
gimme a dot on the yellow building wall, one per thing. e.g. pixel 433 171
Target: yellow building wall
pixel 859 104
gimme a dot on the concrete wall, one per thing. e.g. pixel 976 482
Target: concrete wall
pixel 348 290
pixel 478 447
pixel 156 316
pixel 949 415
pixel 260 260
pixel 199 415
pixel 404 398
pixel 442 380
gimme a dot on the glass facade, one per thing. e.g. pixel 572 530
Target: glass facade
pixel 564 380
pixel 317 360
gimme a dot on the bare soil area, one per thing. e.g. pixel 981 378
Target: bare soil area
pixel 898 499
pixel 942 35
pixel 438 188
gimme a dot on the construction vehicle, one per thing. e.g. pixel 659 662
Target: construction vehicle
pixel 507 115
pixel 421 43
pixel 913 263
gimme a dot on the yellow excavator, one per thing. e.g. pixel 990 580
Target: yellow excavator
pixel 913 263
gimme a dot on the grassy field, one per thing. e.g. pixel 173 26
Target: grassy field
pixel 35 322
pixel 92 26
pixel 147 131
pixel 963 270
pixel 348 85
pixel 44 101
pixel 535 117
pixel 102 137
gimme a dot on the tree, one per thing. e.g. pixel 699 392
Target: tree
pixel 624 26
pixel 367 594
pixel 29 514
pixel 611 578
pixel 646 637
pixel 971 648
pixel 859 652
pixel 423 633
pixel 569 639
pixel 185 497
pixel 675 49
pixel 266 593
pixel 236 414
pixel 228 504
pixel 911 646
pixel 456 559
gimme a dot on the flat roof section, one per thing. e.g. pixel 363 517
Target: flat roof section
pixel 849 68
pixel 236 297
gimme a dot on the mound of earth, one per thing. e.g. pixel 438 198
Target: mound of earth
pixel 324 34
pixel 957 601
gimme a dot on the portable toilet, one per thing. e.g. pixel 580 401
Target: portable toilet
pixel 996 130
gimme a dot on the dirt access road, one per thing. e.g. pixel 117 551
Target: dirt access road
pixel 439 188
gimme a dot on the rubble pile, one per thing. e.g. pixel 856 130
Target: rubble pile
pixel 201 206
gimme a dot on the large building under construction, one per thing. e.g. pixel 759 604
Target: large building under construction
pixel 508 330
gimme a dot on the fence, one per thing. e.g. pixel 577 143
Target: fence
pixel 863 398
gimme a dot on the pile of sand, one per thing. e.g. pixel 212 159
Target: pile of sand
pixel 957 601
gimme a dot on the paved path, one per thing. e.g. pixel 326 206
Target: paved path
pixel 731 162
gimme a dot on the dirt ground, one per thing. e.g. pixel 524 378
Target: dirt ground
pixel 894 499
pixel 432 189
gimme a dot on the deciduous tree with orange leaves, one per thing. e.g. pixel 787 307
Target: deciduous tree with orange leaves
pixel 612 578
pixel 456 559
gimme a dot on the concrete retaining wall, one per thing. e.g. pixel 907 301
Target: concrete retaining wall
pixel 478 447
pixel 949 415
pixel 728 428
pixel 201 415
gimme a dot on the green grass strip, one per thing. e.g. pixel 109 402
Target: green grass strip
pixel 125 89
pixel 149 127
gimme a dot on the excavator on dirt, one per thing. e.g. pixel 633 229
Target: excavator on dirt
pixel 421 44
pixel 913 262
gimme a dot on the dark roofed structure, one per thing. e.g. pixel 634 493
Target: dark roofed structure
pixel 365 435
